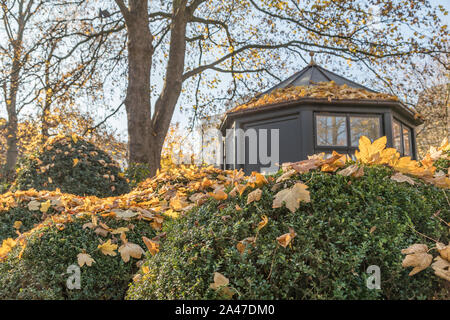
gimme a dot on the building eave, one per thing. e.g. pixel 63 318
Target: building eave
pixel 397 105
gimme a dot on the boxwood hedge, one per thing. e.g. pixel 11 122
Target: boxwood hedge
pixel 74 166
pixel 349 225
pixel 40 271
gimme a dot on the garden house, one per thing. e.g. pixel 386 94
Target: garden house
pixel 313 111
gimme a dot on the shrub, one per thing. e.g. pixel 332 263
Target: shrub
pixel 136 173
pixel 17 219
pixel 37 268
pixel 74 166
pixel 350 224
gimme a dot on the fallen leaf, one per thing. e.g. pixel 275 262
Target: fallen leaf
pixel 75 162
pixel 108 248
pixel 254 196
pixel 17 224
pixel 129 249
pixel 263 222
pixel 441 268
pixel 45 206
pixel 241 245
pixel 285 239
pixel 417 257
pixel 219 281
pixel 218 194
pixel 34 205
pixel 399 177
pixel 125 214
pixel 152 246
pixel 85 259
pixel 286 175
pixel 292 197
pixel 444 250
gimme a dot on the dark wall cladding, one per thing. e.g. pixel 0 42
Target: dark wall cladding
pixel 298 133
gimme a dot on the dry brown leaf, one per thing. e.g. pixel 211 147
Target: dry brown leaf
pixel 285 239
pixel 254 196
pixel 441 268
pixel 292 197
pixel 417 257
pixel 241 245
pixel 399 177
pixel 152 246
pixel 286 176
pixel 354 171
pixel 262 223
pixel 219 281
pixel 101 232
pixel 84 259
pixel 416 248
pixel 129 249
pixel 444 250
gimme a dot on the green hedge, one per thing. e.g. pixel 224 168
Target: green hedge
pixel 329 256
pixel 26 217
pixel 95 173
pixel 41 271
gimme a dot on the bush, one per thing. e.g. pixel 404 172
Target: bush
pixel 74 166
pixel 350 224
pixel 17 219
pixel 137 172
pixel 37 269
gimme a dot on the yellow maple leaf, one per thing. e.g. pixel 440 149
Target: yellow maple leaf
pixel 45 206
pixel 108 248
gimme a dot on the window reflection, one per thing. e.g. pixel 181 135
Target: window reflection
pixel 364 126
pixel 331 131
pixel 397 136
pixel 407 141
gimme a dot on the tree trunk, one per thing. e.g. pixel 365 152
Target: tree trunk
pixel 137 101
pixel 146 133
pixel 11 107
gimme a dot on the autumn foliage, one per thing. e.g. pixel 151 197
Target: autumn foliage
pixel 323 90
pixel 310 231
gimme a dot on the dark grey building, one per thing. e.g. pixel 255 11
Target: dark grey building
pixel 310 125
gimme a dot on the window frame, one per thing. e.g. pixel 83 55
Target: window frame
pixel 402 142
pixel 349 149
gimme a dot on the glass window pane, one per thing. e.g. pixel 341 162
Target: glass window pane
pixel 364 126
pixel 397 136
pixel 331 130
pixel 407 141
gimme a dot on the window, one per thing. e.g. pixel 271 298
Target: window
pixel 407 141
pixel 331 131
pixel 341 131
pixel 402 136
pixel 364 126
pixel 397 129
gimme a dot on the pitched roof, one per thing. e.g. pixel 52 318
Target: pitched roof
pixel 312 75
